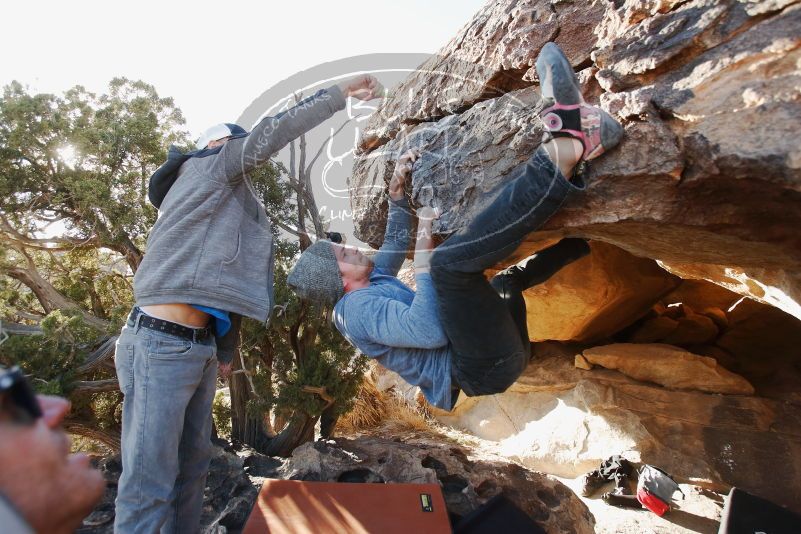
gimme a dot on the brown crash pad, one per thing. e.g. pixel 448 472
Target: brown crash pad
pixel 301 507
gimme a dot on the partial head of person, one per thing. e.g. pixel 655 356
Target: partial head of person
pixel 218 134
pixel 326 271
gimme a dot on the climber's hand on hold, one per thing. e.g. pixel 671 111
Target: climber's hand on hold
pixel 403 169
pixel 364 87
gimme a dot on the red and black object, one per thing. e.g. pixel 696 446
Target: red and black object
pixel 652 502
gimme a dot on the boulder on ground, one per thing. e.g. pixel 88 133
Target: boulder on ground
pixel 467 480
pixel 596 296
pixel 685 186
pixel 654 329
pixel 692 329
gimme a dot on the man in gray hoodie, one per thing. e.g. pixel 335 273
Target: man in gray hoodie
pixel 209 262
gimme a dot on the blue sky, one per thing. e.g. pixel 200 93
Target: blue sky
pixel 212 57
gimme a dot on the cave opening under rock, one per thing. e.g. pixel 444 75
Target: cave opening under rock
pixel 692 377
pixel 685 374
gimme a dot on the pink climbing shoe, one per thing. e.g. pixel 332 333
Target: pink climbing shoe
pixel 565 113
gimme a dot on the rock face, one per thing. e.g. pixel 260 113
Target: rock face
pixel 708 177
pixel 706 182
pixel 668 366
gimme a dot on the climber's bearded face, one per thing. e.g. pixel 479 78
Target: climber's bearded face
pixel 353 265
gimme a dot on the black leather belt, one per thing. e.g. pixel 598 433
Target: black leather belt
pixel 166 327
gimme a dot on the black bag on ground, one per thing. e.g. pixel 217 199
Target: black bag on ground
pixel 497 515
pixel 744 513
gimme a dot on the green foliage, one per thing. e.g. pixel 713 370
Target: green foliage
pixel 74 171
pixel 75 216
pixel 51 357
pixel 85 159
pixel 221 412
pixel 323 359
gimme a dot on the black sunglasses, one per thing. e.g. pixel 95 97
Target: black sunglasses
pixel 17 398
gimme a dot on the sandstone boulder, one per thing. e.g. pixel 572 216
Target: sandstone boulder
pixel 776 287
pixel 764 342
pixel 707 181
pixel 701 294
pixel 708 177
pixel 692 329
pixel 596 296
pixel 492 55
pixel 668 366
pixel 707 439
pixel 654 329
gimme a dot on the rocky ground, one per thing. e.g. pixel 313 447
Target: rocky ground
pixel 467 480
pixel 468 477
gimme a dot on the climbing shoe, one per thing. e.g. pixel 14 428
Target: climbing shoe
pixel 565 113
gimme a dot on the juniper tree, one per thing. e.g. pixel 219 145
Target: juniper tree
pixel 74 218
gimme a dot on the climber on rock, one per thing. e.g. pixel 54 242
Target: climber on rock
pixel 460 330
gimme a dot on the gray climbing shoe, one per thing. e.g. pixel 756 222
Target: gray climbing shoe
pixel 565 113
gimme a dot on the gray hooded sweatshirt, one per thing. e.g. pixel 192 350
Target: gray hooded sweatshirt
pixel 212 244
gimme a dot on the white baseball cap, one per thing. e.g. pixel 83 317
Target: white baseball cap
pixel 219 131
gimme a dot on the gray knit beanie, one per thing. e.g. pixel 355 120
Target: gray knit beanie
pixel 316 276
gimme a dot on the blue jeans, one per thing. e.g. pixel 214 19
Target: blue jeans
pixel 169 385
pixel 485 320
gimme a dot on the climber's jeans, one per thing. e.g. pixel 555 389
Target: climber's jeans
pixel 169 385
pixel 483 326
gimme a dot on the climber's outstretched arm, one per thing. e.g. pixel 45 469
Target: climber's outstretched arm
pixel 398 233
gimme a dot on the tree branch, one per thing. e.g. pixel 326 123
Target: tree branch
pixel 96 359
pixel 95 386
pixel 20 329
pixel 47 295
pixel 109 438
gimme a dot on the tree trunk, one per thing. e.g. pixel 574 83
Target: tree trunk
pixel 99 356
pixel 245 428
pixel 95 386
pixel 20 329
pixel 298 431
pixel 328 421
pixel 133 256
